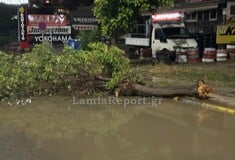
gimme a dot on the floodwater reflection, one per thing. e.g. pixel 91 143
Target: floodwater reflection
pixel 52 128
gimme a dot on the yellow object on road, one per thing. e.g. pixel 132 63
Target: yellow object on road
pixel 219 108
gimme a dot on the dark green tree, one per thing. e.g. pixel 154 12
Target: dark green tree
pixel 7 13
pixel 117 17
pixel 8 24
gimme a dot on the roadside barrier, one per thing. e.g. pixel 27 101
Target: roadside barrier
pixel 231 51
pixel 181 56
pixel 221 55
pixel 193 56
pixel 209 55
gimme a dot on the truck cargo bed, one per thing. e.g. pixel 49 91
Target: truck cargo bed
pixel 137 41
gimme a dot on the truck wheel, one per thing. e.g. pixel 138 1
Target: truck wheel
pixel 164 56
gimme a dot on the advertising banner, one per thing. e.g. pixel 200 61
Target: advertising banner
pixel 84 27
pixel 83 19
pixel 58 30
pixel 48 19
pixel 225 34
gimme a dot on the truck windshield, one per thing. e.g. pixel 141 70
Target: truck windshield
pixel 177 32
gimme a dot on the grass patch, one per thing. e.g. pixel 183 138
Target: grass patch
pixel 216 74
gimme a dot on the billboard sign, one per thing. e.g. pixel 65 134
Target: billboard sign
pixel 84 27
pixel 225 34
pixel 84 23
pixel 83 20
pixel 58 30
pixel 48 19
pixel 53 28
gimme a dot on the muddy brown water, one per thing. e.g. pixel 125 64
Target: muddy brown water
pixel 63 128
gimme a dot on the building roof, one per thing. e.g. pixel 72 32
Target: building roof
pixel 188 7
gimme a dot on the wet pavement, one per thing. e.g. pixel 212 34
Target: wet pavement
pixel 56 128
pixel 228 101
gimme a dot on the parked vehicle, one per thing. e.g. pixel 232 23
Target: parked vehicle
pixel 160 37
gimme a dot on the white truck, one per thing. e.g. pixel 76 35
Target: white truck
pixel 160 37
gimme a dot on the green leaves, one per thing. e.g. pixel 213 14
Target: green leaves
pixel 113 62
pixel 42 71
pixel 117 17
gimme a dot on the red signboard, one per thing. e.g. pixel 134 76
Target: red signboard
pixel 48 19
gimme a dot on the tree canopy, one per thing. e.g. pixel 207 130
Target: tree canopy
pixel 117 17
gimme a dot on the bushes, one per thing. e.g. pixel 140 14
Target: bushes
pixel 113 62
pixel 42 71
pixel 87 37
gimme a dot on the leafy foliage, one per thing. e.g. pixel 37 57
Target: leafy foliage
pixel 42 71
pixel 113 62
pixel 118 17
pixel 89 36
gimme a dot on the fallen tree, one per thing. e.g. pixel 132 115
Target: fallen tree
pixel 44 72
pixel 100 68
pixel 130 88
pixel 141 90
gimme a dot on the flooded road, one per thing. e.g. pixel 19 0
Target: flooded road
pixel 54 128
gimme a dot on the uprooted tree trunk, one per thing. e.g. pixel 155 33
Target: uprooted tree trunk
pixel 129 88
pixel 163 92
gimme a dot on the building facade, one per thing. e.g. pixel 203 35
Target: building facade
pixel 203 16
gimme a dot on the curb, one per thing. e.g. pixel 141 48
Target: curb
pixel 218 108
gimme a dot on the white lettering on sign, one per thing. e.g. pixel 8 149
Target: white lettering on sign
pixel 49 20
pixel 49 30
pixel 84 27
pixel 85 20
pixel 52 38
pixel 22 26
